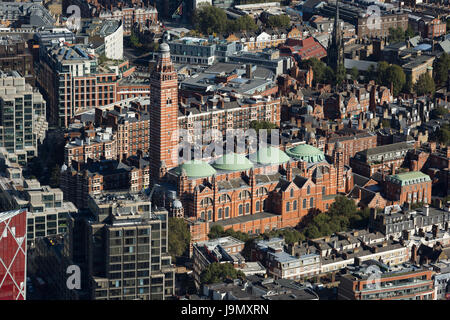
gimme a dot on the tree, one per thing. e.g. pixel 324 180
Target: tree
pixel 354 73
pixel 444 134
pixel 442 69
pixel 424 85
pixel 179 236
pixel 438 112
pixel 218 272
pixel 318 68
pixel 54 177
pixel 371 73
pixel 215 232
pixel 341 206
pixel 134 41
pixel 258 125
pixel 329 76
pixel 387 74
pixel 279 21
pixel 246 23
pixel 209 20
pixel 290 236
pixel 396 35
pixel 409 33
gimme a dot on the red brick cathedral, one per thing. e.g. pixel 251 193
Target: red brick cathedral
pixel 252 193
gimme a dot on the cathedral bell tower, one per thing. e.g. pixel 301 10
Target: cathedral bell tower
pixel 163 116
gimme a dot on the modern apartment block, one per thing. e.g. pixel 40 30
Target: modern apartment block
pixel 74 82
pixel 123 254
pixel 13 255
pixel 107 38
pixel 23 122
pixel 46 210
pixel 360 283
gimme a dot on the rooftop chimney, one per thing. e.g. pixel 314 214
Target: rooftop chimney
pixel 426 210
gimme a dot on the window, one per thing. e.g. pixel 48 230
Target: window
pixel 240 210
pixel 294 205
pixel 257 206
pixel 323 190
pixel 247 208
pixel 308 190
pixel 292 193
pixel 209 215
pixel 220 213
pixel 311 203
pixel 227 212
pixel 288 206
pixel 304 203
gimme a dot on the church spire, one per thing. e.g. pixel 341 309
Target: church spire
pixel 336 48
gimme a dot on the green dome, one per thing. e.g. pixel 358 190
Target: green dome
pixel 233 162
pixel 306 153
pixel 195 169
pixel 269 155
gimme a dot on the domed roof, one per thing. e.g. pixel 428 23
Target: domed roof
pixel 233 162
pixel 195 169
pixel 306 153
pixel 164 47
pixel 269 155
pixel 177 204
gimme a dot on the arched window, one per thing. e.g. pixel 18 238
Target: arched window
pixel 220 213
pixel 311 203
pixel 258 206
pixel 292 193
pixel 288 206
pixel 209 215
pixel 202 215
pixel 240 210
pixel 244 195
pixel 304 203
pixel 227 212
pixel 294 205
pixel 247 208
pixel 308 190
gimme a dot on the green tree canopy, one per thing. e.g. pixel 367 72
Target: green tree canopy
pixel 209 20
pixel 290 236
pixel 444 134
pixel 438 112
pixel 179 236
pixel 387 74
pixel 218 272
pixel 54 177
pixel 409 33
pixel 354 73
pixel 442 69
pixel 396 35
pixel 424 85
pixel 341 216
pixel 258 125
pixel 279 21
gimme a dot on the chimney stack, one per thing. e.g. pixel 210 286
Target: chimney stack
pixel 426 209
